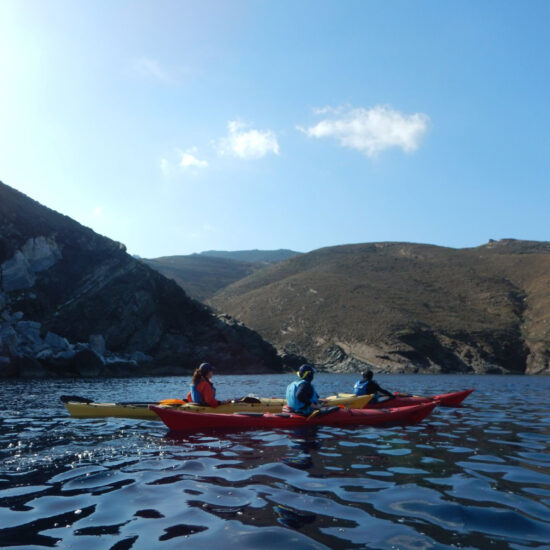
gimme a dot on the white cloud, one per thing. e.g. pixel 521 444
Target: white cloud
pixel 189 160
pixel 248 143
pixel 98 212
pixel 371 131
pixel 176 162
pixel 151 68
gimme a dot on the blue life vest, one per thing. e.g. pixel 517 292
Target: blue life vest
pixel 361 387
pixel 196 395
pixel 294 403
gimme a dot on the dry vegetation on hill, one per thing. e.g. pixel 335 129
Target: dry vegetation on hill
pixel 402 307
pixel 202 276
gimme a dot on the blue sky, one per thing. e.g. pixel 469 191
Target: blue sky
pixel 176 127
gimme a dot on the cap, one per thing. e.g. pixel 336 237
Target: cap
pixel 305 370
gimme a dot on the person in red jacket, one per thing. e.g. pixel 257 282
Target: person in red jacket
pixel 203 391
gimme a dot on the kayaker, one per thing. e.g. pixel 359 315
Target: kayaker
pixel 301 396
pixel 203 391
pixel 367 386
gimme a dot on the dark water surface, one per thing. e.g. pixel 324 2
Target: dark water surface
pixel 472 477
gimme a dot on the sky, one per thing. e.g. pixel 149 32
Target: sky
pixel 181 126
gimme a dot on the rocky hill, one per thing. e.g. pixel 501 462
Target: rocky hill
pixel 402 307
pixel 73 302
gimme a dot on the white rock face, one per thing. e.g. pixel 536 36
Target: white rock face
pixel 97 343
pixel 16 273
pixel 41 253
pixel 37 254
pixel 57 343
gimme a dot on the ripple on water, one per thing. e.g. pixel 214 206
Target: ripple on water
pixel 118 484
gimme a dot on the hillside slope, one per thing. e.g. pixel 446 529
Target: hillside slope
pixel 253 256
pixel 70 281
pixel 405 307
pixel 202 276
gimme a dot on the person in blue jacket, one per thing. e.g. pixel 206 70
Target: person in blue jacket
pixel 301 396
pixel 367 386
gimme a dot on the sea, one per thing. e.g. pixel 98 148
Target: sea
pixel 475 476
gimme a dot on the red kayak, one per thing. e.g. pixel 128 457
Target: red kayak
pixel 402 400
pixel 178 420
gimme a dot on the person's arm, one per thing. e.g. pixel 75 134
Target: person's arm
pixel 208 394
pixel 382 390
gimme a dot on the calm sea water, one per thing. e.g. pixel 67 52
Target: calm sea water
pixel 471 477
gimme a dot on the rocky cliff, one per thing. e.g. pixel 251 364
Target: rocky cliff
pixel 85 290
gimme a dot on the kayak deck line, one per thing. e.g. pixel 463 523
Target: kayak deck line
pixel 181 420
pixel 79 407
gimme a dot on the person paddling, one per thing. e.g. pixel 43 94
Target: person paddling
pixel 203 391
pixel 301 396
pixel 367 386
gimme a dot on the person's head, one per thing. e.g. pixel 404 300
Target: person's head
pixel 205 370
pixel 306 372
pixel 367 375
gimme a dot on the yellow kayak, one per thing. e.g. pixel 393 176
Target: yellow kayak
pixel 80 407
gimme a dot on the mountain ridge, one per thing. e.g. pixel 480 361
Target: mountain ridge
pixel 253 255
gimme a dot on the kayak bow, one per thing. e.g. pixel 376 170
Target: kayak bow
pixel 453 399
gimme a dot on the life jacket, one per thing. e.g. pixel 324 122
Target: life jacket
pixel 195 394
pixel 294 403
pixel 361 387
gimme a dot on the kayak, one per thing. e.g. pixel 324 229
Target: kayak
pixel 80 407
pixel 453 399
pixel 180 420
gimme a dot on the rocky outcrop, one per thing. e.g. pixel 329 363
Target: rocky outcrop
pixel 36 255
pixel 26 353
pixel 431 357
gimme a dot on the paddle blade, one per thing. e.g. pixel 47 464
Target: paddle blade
pixel 172 402
pixel 313 414
pixel 74 399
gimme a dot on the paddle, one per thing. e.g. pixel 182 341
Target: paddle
pixel 75 399
pixel 313 414
pixel 172 402
pixel 323 411
pixel 79 399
